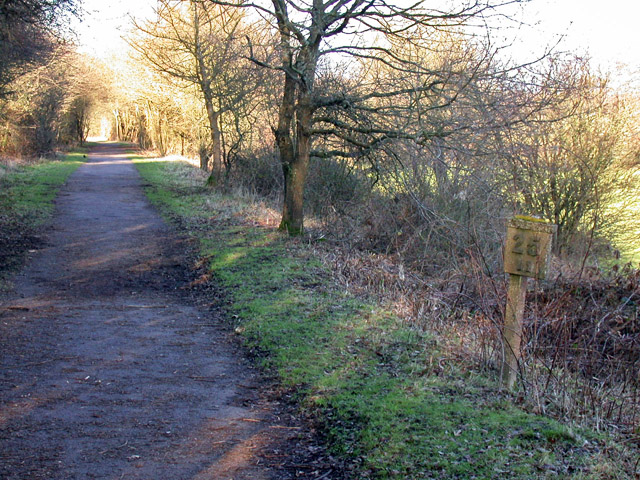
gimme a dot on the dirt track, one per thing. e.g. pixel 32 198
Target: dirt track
pixel 109 370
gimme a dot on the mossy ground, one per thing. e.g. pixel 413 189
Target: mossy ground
pixel 385 404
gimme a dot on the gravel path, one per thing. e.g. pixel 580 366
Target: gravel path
pixel 108 369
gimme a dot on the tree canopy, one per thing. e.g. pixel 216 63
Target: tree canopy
pixel 29 33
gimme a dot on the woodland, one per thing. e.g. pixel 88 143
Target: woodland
pixel 396 131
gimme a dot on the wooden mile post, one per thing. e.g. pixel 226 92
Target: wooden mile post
pixel 526 254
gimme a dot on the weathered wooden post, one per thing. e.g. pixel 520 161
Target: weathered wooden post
pixel 526 254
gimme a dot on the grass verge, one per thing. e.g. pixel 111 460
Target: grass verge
pixel 27 193
pixel 386 396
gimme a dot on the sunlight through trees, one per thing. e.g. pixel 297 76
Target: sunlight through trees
pixel 402 125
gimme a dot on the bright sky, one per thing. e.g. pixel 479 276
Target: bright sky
pixel 105 22
pixel 608 30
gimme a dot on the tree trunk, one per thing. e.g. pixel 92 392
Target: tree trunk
pixel 216 146
pixel 284 141
pixel 295 171
pixel 213 115
pixel 116 115
pixel 295 146
pixel 214 130
pixel 295 175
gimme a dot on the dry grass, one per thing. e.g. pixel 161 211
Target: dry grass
pixel 582 355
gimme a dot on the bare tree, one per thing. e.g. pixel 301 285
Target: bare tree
pixel 315 35
pixel 198 43
pixel 86 90
pixel 575 163
pixel 36 108
pixel 29 30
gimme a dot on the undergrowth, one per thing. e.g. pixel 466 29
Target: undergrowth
pixel 388 399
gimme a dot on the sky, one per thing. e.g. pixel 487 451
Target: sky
pixel 607 31
pixel 105 22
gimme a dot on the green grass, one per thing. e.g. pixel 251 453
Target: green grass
pixel 27 193
pixel 376 384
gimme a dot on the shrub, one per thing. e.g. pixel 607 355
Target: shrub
pixel 260 173
pixel 334 187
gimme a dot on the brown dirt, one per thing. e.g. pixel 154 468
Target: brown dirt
pixel 110 369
